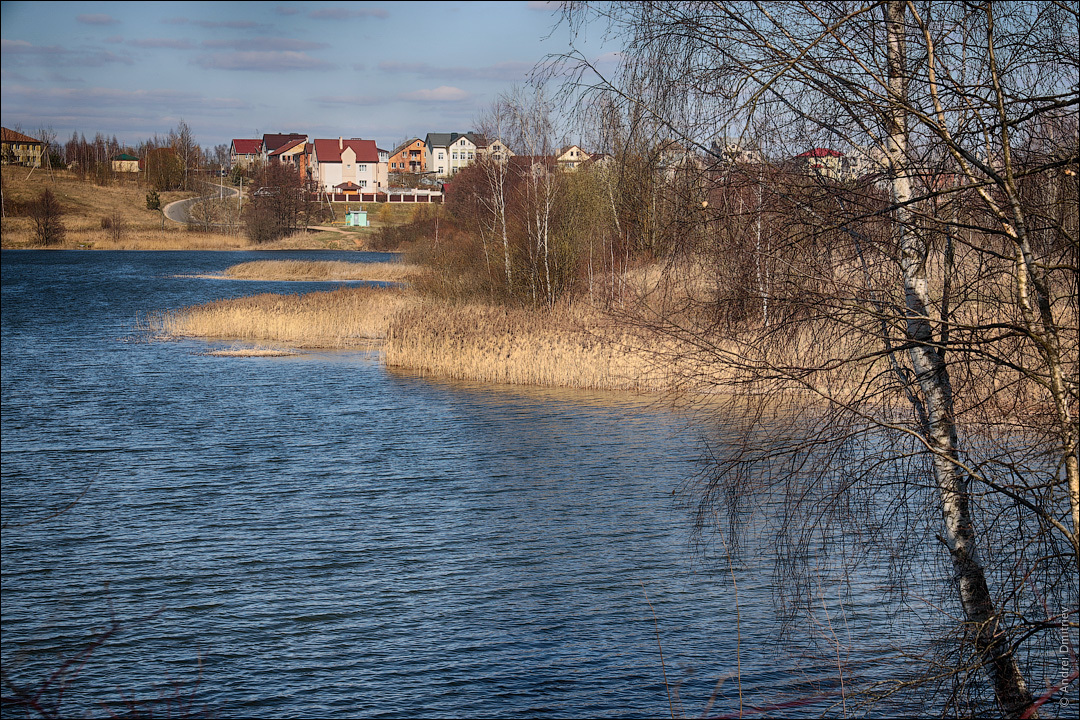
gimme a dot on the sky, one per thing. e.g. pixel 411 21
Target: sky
pixel 383 71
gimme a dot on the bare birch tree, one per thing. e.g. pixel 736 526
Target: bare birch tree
pixel 495 125
pixel 916 386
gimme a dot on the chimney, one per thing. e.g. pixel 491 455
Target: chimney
pixel 340 143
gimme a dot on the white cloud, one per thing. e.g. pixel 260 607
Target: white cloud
pixel 337 13
pixel 506 71
pixel 97 19
pixel 443 93
pixel 262 61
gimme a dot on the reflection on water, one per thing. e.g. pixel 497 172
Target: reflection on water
pixel 316 536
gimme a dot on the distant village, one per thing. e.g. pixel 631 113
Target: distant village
pixel 418 170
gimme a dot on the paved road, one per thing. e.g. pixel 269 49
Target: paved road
pixel 180 210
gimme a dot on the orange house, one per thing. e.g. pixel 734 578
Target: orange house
pixel 408 157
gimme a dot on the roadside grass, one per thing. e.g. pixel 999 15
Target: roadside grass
pixel 84 205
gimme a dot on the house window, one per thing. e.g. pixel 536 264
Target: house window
pixel 363 183
pixel 470 156
pixel 361 168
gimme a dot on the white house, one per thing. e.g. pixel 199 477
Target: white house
pixel 343 162
pixel 447 153
pixel 570 157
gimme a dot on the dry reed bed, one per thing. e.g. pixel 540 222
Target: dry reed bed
pixel 561 348
pixel 342 318
pixel 322 270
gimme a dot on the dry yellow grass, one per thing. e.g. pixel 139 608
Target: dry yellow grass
pixel 343 318
pixel 561 348
pixel 321 270
pixel 84 204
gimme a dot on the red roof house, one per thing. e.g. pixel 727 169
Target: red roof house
pixel 337 161
pixel 245 152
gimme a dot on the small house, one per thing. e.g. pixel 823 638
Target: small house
pixel 124 163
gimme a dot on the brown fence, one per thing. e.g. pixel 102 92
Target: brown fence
pixel 384 197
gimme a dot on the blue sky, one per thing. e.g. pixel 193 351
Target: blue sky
pixel 381 71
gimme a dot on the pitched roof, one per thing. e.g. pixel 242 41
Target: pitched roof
pixel 404 145
pixel 446 139
pixel 292 144
pixel 12 136
pixel 276 140
pixel 821 152
pixel 247 146
pixel 124 157
pixel 328 149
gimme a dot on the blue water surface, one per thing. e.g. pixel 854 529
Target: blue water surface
pixel 317 536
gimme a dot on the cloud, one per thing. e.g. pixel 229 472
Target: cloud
pixel 229 24
pixel 506 72
pixel 23 53
pixel 266 44
pixel 262 61
pixel 97 19
pixel 337 13
pixel 349 100
pixel 286 10
pixel 443 93
pixel 171 43
pixel 102 97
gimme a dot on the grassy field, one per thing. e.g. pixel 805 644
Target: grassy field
pixel 85 205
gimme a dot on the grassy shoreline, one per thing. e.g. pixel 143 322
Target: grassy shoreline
pixel 578 348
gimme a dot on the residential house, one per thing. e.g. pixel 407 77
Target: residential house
pixel 343 166
pixel 725 151
pixel 601 161
pixel 408 157
pixel 447 153
pixel 19 149
pixel 823 162
pixel 673 157
pixel 272 142
pixel 292 153
pixel 496 149
pixel 245 152
pixel 125 163
pixel 571 157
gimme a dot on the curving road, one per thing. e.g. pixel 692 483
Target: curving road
pixel 180 211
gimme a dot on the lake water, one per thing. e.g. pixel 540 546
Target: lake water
pixel 318 536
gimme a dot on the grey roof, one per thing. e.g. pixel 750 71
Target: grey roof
pixel 445 139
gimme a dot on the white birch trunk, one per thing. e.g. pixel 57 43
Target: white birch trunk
pixel 932 375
